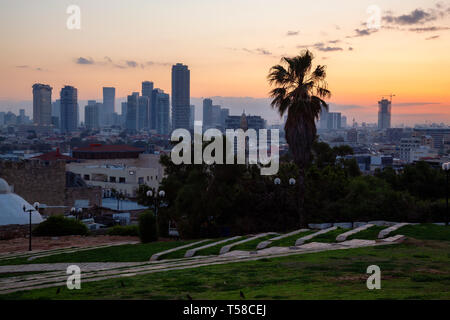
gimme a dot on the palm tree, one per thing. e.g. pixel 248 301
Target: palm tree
pixel 299 91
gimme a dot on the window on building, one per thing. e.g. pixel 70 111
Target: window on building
pixel 122 180
pixel 86 177
pixel 140 180
pixel 112 179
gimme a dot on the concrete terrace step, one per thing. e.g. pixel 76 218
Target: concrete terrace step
pixel 266 243
pixel 227 248
pixel 192 252
pixel 309 237
pixel 156 256
pixel 383 233
pixel 345 235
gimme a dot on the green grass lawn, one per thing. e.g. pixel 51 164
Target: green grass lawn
pixel 368 234
pixel 251 245
pixel 328 237
pixel 124 253
pixel 416 269
pixel 425 232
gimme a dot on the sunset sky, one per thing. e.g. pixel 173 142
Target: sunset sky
pixel 230 46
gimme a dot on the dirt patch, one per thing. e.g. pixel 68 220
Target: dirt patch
pixel 47 243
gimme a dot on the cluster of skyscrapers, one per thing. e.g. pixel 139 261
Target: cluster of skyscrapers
pixel 148 110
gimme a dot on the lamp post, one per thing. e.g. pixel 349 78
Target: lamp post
pixel 30 212
pixel 446 168
pixel 277 182
pixel 156 198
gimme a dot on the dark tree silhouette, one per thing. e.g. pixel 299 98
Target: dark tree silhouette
pixel 299 91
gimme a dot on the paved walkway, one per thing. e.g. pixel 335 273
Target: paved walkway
pixel 102 271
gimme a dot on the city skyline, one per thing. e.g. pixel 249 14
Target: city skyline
pixel 231 57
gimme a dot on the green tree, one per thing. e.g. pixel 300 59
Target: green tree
pixel 299 91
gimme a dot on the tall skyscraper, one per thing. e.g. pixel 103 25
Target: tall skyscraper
pixel 132 112
pixel 123 115
pixel 162 111
pixel 42 104
pixel 384 114
pixel 143 111
pixel 69 109
pixel 109 100
pixel 192 117
pixel 92 115
pixel 207 113
pixel 180 96
pixel 147 91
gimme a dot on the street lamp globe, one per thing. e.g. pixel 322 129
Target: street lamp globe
pixel 149 193
pixel 446 166
pixel 36 205
pixel 277 181
pixel 162 193
pixel 292 181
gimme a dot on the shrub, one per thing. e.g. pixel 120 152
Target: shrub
pixel 60 226
pixel 148 230
pixel 132 231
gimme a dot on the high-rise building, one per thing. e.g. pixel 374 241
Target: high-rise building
pixel 161 104
pixel 42 104
pixel 323 119
pixel 207 113
pixel 192 117
pixel 224 113
pixel 143 112
pixel 343 122
pixel 132 112
pixel 384 114
pixel 180 96
pixel 69 109
pixel 123 115
pixel 56 112
pixel 92 115
pixel 147 90
pixel 109 100
pixel 334 120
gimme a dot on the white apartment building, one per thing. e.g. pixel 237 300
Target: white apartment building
pixel 122 175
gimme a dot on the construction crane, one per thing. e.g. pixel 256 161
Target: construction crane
pixel 388 95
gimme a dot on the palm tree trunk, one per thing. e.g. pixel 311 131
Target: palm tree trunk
pixel 301 197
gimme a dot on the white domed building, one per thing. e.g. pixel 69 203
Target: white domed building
pixel 11 208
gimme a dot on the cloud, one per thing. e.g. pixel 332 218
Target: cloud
pixel 363 32
pixel 350 49
pixel 417 16
pixel 84 61
pixel 292 33
pixel 259 51
pixel 323 46
pixel 428 29
pixel 29 67
pixel 414 104
pixel 131 63
pixel 432 38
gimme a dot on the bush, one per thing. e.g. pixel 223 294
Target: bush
pixel 148 230
pixel 132 231
pixel 60 226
